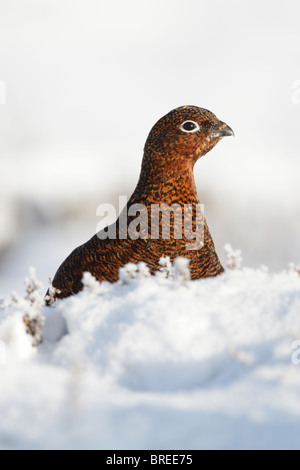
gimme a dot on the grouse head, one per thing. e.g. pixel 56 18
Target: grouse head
pixel 185 133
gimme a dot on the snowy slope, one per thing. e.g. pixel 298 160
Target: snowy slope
pixel 156 362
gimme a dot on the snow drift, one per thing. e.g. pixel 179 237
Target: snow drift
pixel 155 362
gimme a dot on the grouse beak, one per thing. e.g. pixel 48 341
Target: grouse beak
pixel 222 131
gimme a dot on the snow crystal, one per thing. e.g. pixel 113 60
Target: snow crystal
pixel 234 258
pixel 181 270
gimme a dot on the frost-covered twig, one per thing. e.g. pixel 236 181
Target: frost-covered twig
pixel 50 297
pixel 234 258
pixel 181 270
pixel 166 269
pixel 31 305
pixel 133 271
pixel 293 268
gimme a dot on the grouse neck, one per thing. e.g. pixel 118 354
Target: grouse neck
pixel 167 183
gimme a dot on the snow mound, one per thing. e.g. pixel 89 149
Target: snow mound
pixel 157 362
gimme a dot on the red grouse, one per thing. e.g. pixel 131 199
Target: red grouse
pixel 162 217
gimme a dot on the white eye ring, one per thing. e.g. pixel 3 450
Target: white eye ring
pixel 193 125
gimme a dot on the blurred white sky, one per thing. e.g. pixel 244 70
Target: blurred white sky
pixel 86 80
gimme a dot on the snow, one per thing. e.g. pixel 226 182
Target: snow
pixel 156 362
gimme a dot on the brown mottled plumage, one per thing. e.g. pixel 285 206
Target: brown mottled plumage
pixel 171 150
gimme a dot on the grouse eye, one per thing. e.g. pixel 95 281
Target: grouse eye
pixel 190 126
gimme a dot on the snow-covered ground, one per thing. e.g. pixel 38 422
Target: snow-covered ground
pixel 156 362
